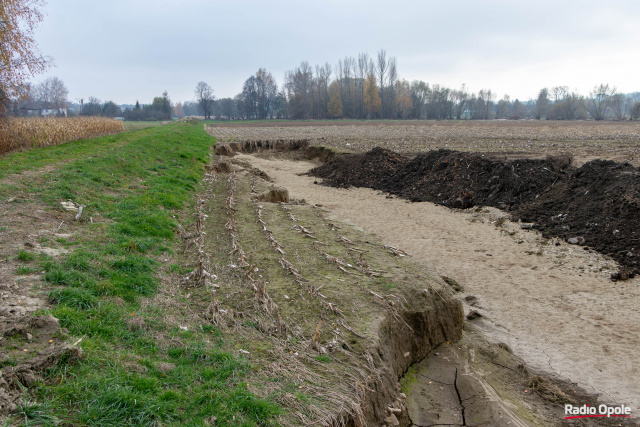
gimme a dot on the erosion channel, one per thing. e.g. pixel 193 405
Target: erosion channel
pixel 544 324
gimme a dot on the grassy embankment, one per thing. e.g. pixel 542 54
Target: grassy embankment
pixel 140 366
pixel 131 126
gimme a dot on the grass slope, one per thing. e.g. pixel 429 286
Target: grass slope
pixel 141 367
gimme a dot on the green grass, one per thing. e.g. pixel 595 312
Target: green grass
pixel 131 126
pixel 133 185
pixel 25 256
pixel 24 270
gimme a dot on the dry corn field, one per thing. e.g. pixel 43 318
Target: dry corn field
pixel 586 140
pixel 27 133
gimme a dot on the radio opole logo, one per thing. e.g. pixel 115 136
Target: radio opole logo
pixel 586 411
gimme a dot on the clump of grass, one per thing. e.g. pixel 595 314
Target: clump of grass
pixel 24 270
pixel 25 256
pixel 73 297
pixel 65 242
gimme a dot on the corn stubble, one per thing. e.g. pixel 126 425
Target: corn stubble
pixel 25 133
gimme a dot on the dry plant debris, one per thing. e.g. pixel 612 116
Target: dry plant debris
pixel 317 333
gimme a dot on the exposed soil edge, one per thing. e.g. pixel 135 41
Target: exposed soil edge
pixel 231 148
pixel 404 340
pixel 595 205
pixel 322 153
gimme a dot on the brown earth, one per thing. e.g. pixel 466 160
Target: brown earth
pixel 29 344
pixel 586 140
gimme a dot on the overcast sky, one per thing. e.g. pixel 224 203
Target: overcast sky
pixel 134 50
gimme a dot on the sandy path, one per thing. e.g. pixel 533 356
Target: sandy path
pixel 564 321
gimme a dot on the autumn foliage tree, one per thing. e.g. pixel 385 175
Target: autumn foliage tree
pixel 372 101
pixel 19 55
pixel 334 107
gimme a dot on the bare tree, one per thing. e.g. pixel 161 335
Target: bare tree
pixel 365 67
pixel 559 93
pixel 419 96
pixel 402 95
pixel 542 104
pixel 299 86
pixel 482 105
pixel 617 106
pixel 51 93
pixel 635 112
pixel 518 110
pixel 346 71
pixel 392 79
pixel 227 107
pixel 502 112
pixel 381 70
pixel 205 99
pixel 630 101
pixel 571 107
pixel 460 101
pixel 92 108
pixel 600 101
pixel 321 90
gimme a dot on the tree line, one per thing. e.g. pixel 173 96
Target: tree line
pixel 356 88
pixel 366 87
pixel 361 87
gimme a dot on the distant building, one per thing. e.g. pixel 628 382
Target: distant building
pixel 47 112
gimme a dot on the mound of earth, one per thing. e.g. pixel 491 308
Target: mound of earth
pixel 597 205
pixel 362 170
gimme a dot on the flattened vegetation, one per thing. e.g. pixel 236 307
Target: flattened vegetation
pixel 329 316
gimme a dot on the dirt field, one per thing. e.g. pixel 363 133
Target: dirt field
pixel 617 141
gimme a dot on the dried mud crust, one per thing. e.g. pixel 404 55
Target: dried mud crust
pixel 596 205
pixel 476 383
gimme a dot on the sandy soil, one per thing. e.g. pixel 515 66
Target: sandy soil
pixel 552 303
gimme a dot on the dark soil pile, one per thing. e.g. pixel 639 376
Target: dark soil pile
pixel 361 170
pixel 450 178
pixel 597 205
